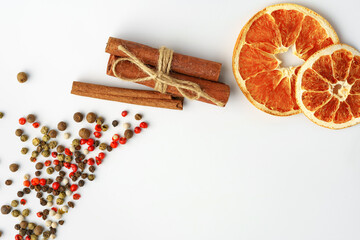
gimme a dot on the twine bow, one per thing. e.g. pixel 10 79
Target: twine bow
pixel 161 75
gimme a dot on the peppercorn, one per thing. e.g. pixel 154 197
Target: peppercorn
pixel 53 133
pixel 50 170
pixel 75 142
pixel 104 127
pixel 115 123
pixel 24 224
pixel 109 148
pixel 57 168
pixel 6 209
pixel 44 130
pixel 71 204
pixel 39 195
pixel 53 144
pixel 138 116
pixel 91 177
pixel 36 141
pixel 81 183
pixel 22 77
pixel 126 125
pixel 37 173
pixel 8 182
pixel 24 138
pixel 62 126
pixel 19 132
pixel 46 138
pixel 22 232
pixel 26 212
pixel 34 154
pixel 100 120
pixel 26 190
pixel 128 134
pixel 102 146
pixel 43 202
pixel 39 165
pixel 31 118
pixel 67 135
pixel 15 213
pixel 38 230
pixel 14 167
pixel 78 117
pixel 84 133
pixel 45 153
pixel 91 117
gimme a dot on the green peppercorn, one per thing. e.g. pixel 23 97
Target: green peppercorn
pixel 44 130
pixel 100 120
pixel 26 212
pixel 36 141
pixel 14 203
pixel 62 195
pixel 50 198
pixel 15 213
pixel 33 237
pixel 45 153
pixel 31 226
pixel 91 177
pixel 60 201
pixel 24 138
pixel 24 150
pixel 75 142
pixel 50 170
pixel 68 158
pixel 46 138
pixel 53 144
pixel 103 146
pixel 46 234
pixel 104 127
pixel 61 157
pixel 45 147
pixel 34 154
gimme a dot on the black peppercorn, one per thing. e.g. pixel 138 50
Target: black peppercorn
pixel 81 183
pixel 37 173
pixel 39 195
pixel 17 227
pixel 26 190
pixel 92 169
pixel 8 182
pixel 20 194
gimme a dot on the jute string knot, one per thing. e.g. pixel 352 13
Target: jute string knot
pixel 161 75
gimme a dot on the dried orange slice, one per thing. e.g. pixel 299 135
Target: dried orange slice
pixel 328 87
pixel 277 29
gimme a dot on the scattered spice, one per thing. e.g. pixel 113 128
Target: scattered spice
pixel 24 150
pixel 115 123
pixel 78 117
pixel 84 133
pixel 38 230
pixel 22 77
pixel 67 135
pixel 24 138
pixel 104 127
pixel 100 120
pixel 138 116
pixel 1 115
pixel 31 118
pixel 62 126
pixel 19 132
pixel 5 209
pixel 53 133
pixel 91 117
pixel 128 134
pixel 14 167
pixel 8 182
pixel 126 125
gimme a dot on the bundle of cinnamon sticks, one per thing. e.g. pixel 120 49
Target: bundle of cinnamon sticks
pixel 204 74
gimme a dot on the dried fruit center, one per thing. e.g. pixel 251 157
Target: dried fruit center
pixel 341 90
pixel 288 59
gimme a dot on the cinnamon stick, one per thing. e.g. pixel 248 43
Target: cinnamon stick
pixel 132 96
pixel 184 64
pixel 126 69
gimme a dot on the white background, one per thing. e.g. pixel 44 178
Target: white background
pixel 201 173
